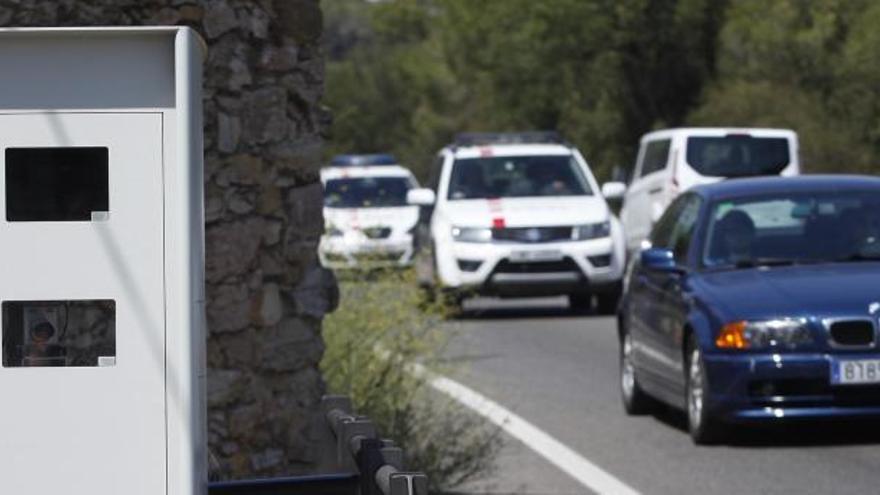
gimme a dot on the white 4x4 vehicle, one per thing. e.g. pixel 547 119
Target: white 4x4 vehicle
pixel 671 161
pixel 368 221
pixel 521 215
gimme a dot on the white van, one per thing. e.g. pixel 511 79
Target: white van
pixel 671 161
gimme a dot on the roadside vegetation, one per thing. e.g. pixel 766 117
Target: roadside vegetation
pixel 382 327
pixel 406 75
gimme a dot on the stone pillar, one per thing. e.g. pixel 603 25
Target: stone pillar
pixel 266 291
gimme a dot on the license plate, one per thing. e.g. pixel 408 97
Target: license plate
pixel 536 255
pixel 855 371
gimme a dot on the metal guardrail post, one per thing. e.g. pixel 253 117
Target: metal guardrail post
pixel 408 484
pixel 358 449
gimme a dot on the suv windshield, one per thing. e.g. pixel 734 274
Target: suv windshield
pixel 366 192
pixel 737 155
pixel 795 228
pixel 517 176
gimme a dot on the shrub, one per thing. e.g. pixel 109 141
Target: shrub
pixel 383 325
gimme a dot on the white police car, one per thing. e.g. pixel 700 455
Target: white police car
pixel 368 221
pixel 521 215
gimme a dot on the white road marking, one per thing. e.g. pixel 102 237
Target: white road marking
pixel 557 453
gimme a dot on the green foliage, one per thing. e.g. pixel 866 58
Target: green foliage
pixel 807 65
pixel 372 340
pixel 600 71
pixel 603 72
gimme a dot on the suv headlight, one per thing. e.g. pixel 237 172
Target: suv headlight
pixel 782 333
pixel 591 231
pixel 471 234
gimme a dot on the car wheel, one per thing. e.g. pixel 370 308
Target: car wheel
pixel 580 301
pixel 635 401
pixel 606 303
pixel 703 428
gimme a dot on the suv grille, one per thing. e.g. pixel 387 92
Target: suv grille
pixel 532 234
pixel 377 232
pixel 565 265
pixel 852 332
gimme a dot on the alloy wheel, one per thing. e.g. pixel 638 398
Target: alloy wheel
pixel 627 370
pixel 696 386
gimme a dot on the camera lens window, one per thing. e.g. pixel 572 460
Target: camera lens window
pixel 57 184
pixel 59 333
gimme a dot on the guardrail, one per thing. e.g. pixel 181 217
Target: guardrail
pixel 363 464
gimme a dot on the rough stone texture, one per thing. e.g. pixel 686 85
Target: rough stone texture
pixel 264 78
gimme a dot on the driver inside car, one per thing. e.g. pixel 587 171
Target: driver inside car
pixel 734 238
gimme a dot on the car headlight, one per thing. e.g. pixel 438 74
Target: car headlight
pixel 471 234
pixel 334 232
pixel 591 231
pixel 766 334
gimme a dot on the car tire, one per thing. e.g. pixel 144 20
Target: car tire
pixel 580 301
pixel 606 303
pixel 635 401
pixel 703 428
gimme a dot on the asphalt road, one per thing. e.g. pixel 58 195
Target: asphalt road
pixel 559 372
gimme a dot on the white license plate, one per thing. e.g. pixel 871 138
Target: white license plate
pixel 536 255
pixel 855 371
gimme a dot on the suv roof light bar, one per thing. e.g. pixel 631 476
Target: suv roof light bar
pixel 488 138
pixel 363 160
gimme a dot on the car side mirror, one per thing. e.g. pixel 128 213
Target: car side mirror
pixel 420 197
pixel 661 260
pixel 613 190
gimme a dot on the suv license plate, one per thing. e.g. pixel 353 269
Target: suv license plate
pixel 855 371
pixel 537 255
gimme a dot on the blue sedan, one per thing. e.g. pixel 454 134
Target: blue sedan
pixel 757 300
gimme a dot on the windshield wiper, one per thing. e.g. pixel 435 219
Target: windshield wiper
pixel 756 262
pixel 859 257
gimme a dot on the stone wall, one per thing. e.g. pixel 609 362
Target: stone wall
pixel 266 291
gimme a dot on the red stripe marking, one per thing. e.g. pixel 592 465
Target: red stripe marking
pixel 498 223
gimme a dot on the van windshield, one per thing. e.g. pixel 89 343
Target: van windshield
pixel 738 155
pixel 517 177
pixel 366 192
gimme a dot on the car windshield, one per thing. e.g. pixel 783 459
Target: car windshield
pixel 794 228
pixel 366 192
pixel 738 156
pixel 517 176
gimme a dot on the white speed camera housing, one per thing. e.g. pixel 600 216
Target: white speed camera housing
pixel 101 267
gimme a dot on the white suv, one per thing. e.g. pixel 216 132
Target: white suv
pixel 671 161
pixel 368 221
pixel 521 215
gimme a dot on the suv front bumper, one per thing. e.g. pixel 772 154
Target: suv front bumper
pixel 515 269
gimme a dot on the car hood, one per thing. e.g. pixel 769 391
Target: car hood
pixel 527 212
pixel 402 217
pixel 806 290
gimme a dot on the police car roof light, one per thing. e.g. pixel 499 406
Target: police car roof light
pixel 489 138
pixel 363 160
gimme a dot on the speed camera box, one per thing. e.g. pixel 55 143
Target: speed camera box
pixel 101 291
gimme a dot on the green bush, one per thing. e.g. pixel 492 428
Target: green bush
pixel 382 327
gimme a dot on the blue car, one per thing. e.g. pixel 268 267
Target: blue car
pixel 757 300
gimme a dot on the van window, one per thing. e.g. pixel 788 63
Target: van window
pixel 737 155
pixel 656 156
pixel 366 192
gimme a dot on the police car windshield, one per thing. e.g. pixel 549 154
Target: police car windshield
pixel 366 192
pixel 517 176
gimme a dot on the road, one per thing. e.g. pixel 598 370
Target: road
pixel 559 372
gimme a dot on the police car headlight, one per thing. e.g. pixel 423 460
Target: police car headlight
pixel 471 234
pixel 334 232
pixel 591 231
